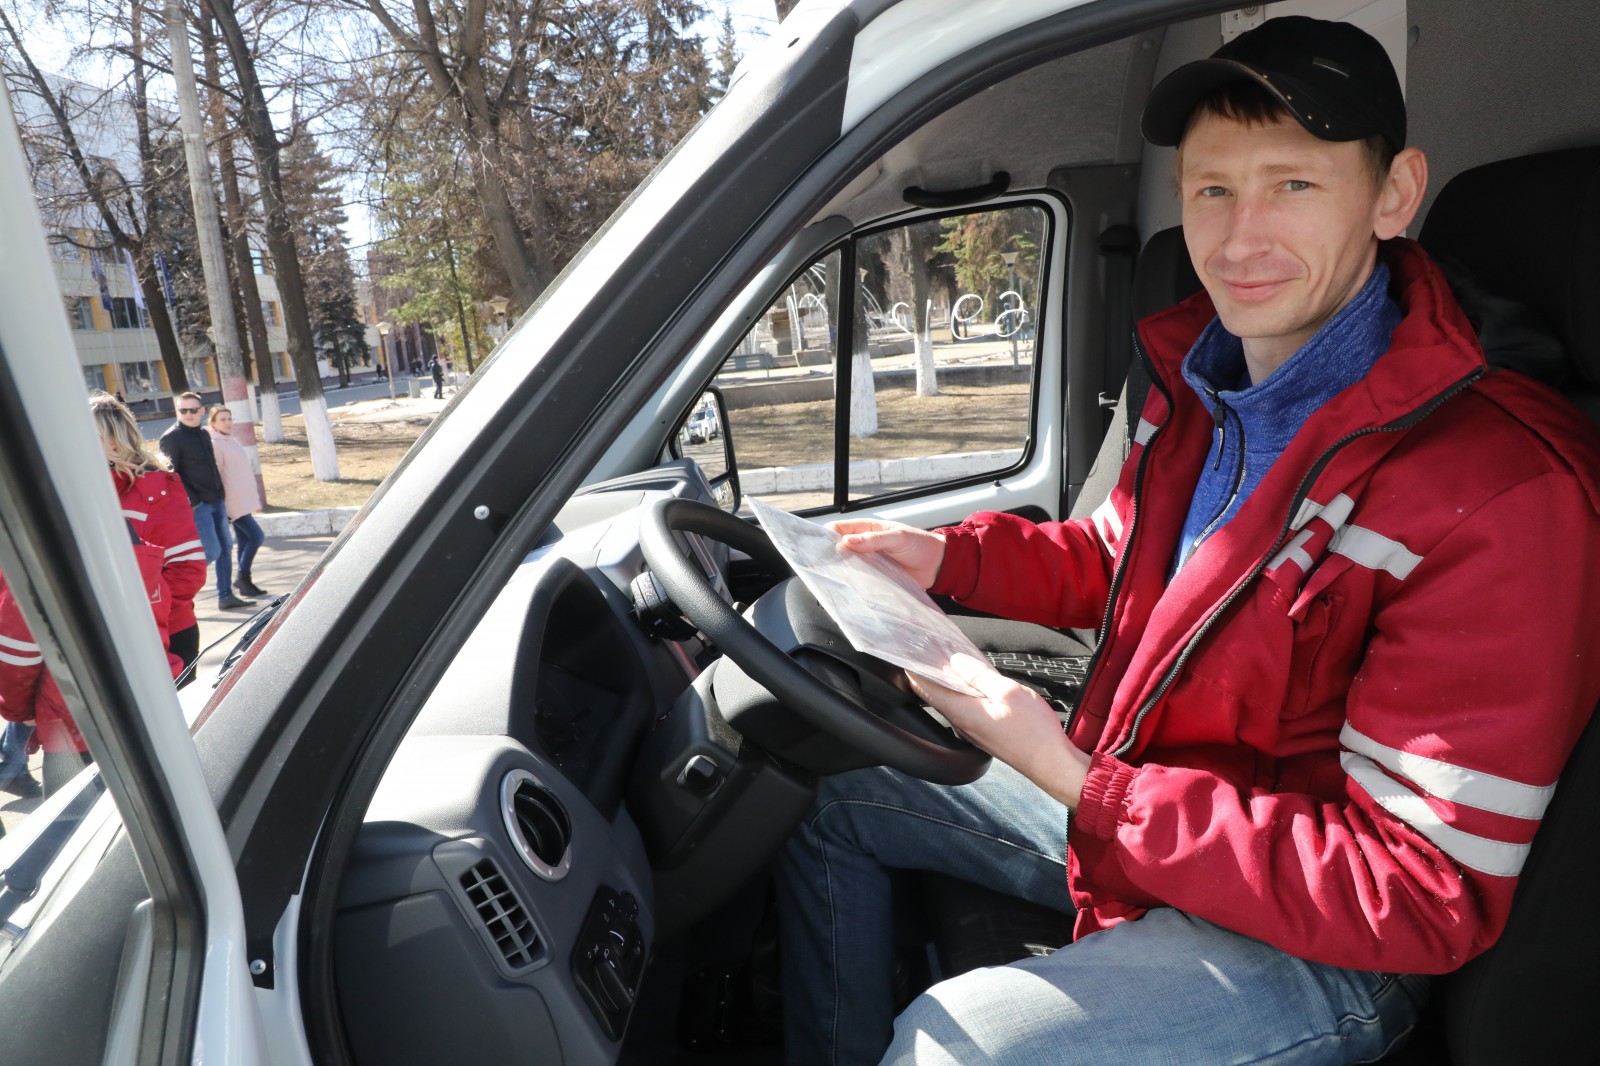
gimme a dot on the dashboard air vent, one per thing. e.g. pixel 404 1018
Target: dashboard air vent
pixel 539 827
pixel 502 914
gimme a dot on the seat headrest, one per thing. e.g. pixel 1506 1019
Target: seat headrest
pixel 1529 229
pixel 1164 275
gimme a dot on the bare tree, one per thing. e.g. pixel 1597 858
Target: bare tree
pixel 123 207
pixel 254 325
pixel 263 138
pixel 561 107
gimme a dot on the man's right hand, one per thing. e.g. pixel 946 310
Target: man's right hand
pixel 918 551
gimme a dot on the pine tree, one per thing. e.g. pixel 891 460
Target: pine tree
pixel 312 189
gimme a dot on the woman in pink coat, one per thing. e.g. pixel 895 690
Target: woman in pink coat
pixel 240 495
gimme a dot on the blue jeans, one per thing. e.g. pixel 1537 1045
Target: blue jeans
pixel 248 536
pixel 14 750
pixel 211 520
pixel 1169 988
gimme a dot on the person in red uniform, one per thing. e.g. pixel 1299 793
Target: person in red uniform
pixel 172 569
pixel 1342 587
pixel 154 500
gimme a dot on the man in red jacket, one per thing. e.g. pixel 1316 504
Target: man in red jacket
pixel 1341 586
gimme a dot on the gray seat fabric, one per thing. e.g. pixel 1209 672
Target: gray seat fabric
pixel 1528 229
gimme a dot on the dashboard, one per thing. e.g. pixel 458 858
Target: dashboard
pixel 500 884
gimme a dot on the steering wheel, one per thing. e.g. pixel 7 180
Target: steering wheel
pixel 936 755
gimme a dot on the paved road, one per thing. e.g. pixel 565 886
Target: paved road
pixel 289 402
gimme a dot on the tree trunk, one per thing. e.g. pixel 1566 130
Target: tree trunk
pixel 863 390
pixel 522 267
pixel 155 301
pixel 239 249
pixel 213 256
pixel 461 311
pixel 927 381
pixel 281 243
pixel 155 294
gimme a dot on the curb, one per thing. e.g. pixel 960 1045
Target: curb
pixel 306 523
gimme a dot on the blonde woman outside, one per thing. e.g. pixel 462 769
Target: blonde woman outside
pixel 241 498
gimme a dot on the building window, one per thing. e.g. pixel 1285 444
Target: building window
pixel 269 312
pixel 261 261
pixel 95 378
pixel 127 314
pixel 80 312
pixel 141 378
pixel 61 247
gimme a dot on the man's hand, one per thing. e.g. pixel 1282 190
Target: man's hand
pixel 1013 723
pixel 918 551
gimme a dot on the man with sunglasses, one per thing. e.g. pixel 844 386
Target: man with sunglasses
pixel 187 447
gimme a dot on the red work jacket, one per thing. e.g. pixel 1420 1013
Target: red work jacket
pixel 1336 730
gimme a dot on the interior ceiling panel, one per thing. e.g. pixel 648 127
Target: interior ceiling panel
pixel 1067 112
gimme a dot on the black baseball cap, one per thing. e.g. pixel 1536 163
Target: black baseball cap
pixel 1335 79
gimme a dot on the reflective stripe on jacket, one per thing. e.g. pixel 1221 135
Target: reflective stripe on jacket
pixel 158 507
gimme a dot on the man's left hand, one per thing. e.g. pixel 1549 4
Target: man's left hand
pixel 1011 722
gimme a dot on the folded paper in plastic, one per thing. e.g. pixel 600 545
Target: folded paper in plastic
pixel 873 600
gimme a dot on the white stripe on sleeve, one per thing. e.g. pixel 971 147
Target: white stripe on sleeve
pixel 1493 857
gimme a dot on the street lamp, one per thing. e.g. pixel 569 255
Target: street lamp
pixel 1010 259
pixel 388 363
pixel 498 305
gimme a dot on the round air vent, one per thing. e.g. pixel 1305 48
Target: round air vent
pixel 539 827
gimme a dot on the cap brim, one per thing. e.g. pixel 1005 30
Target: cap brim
pixel 1171 102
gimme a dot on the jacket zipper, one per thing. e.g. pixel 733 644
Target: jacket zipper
pixel 1301 492
pixel 1220 417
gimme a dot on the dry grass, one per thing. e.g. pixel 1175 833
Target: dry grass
pixel 962 418
pixel 368 452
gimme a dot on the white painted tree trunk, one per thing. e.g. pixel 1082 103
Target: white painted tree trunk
pixel 927 379
pixel 271 417
pixel 319 437
pixel 863 395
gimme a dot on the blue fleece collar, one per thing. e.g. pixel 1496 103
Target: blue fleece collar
pixel 1264 417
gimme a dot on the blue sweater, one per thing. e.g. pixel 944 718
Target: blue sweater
pixel 1255 422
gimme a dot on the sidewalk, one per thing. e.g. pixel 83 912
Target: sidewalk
pixel 280 565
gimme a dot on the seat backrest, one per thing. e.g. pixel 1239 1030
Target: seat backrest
pixel 1162 277
pixel 1529 229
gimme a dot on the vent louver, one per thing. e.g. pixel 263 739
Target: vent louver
pixel 502 914
pixel 539 827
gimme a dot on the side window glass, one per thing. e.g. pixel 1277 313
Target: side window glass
pixel 778 389
pixel 939 328
pixel 949 308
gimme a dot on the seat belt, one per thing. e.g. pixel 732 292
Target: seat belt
pixel 1115 446
pixel 1119 247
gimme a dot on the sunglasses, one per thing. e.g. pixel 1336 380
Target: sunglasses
pixel 188 410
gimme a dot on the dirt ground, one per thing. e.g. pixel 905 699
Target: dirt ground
pixel 961 418
pixel 373 437
pixel 368 452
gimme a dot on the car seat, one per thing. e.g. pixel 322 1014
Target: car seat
pixel 1528 230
